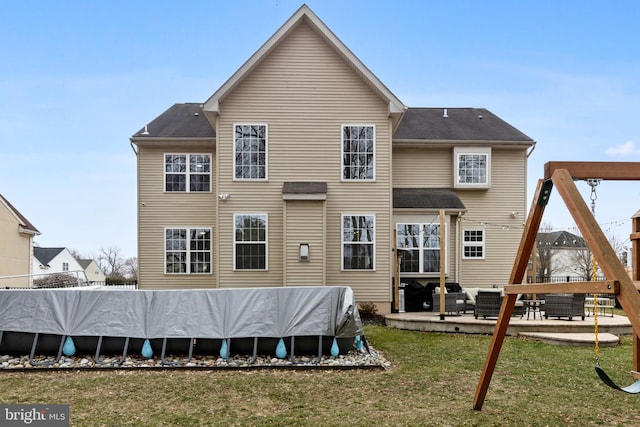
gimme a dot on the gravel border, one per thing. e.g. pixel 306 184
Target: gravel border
pixel 354 359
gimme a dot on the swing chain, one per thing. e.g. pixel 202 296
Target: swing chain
pixel 593 183
pixel 595 328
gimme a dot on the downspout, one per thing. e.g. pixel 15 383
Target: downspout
pixel 531 149
pixel 458 247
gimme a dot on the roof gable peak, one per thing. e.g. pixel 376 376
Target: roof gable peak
pixel 304 14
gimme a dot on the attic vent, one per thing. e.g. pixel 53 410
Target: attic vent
pixel 146 132
pixel 445 114
pixel 195 114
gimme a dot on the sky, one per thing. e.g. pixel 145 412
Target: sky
pixel 78 78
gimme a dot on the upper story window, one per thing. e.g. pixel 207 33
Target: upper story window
pixel 358 242
pixel 473 244
pixel 65 266
pixel 358 152
pixel 472 167
pixel 419 246
pixel 250 151
pixel 250 241
pixel 188 250
pixel 187 172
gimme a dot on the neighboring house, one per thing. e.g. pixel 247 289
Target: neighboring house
pixel 562 256
pixel 92 270
pixel 50 261
pixel 303 166
pixel 16 243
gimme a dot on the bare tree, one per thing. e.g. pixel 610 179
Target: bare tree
pixel 582 259
pixel 582 263
pixel 75 253
pixel 131 268
pixel 544 252
pixel 111 262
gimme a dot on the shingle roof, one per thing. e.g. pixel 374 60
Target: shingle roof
pixel 181 120
pixel 45 255
pixel 304 188
pixel 429 124
pixel 563 239
pixel 24 222
pixel 426 198
pixel 84 263
pixel 458 124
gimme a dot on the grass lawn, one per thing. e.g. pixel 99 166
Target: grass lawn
pixel 432 382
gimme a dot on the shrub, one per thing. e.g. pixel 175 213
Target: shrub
pixel 368 309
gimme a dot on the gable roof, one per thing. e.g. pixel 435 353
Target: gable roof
pixel 45 255
pixel 84 263
pixel 27 227
pixel 179 121
pixel 563 239
pixel 456 124
pixel 304 14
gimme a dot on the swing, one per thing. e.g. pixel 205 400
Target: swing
pixel 631 389
pixel 635 387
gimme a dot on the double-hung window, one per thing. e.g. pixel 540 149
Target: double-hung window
pixel 187 250
pixel 250 241
pixel 419 246
pixel 472 167
pixel 358 242
pixel 358 153
pixel 473 243
pixel 250 152
pixel 187 172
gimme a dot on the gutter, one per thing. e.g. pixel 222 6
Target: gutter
pixel 533 147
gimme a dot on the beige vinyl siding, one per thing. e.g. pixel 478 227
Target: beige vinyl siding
pixel 493 208
pixel 415 167
pixel 15 250
pixel 304 224
pixel 304 91
pixel 158 210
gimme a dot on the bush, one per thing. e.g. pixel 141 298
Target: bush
pixel 368 309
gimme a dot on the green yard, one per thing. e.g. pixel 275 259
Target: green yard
pixel 432 381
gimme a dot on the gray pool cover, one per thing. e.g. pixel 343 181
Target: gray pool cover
pixel 214 313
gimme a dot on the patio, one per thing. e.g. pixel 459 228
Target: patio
pixel 570 332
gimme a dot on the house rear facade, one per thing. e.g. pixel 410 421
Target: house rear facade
pixel 304 169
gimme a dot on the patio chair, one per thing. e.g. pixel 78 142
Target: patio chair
pixel 488 304
pixel 564 305
pixel 454 302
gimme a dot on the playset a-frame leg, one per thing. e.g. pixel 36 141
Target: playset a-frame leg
pixel 562 174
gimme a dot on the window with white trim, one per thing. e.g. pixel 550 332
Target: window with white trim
pixel 65 266
pixel 358 242
pixel 250 241
pixel 187 172
pixel 250 151
pixel 419 247
pixel 473 243
pixel 187 250
pixel 472 167
pixel 358 152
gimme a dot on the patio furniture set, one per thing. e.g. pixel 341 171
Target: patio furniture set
pixel 553 305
